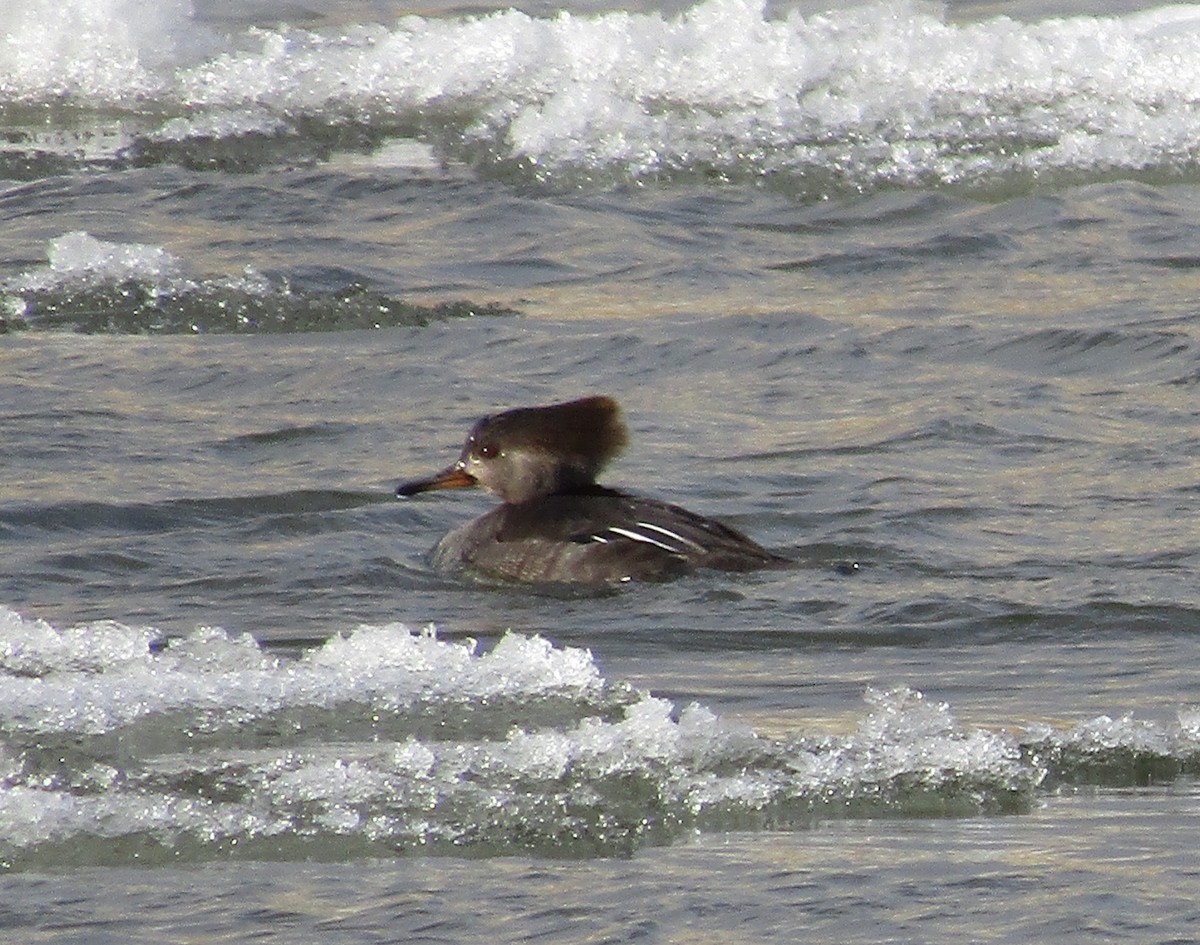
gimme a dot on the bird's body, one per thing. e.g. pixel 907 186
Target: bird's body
pixel 555 524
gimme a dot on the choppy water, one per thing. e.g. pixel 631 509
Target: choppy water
pixel 909 286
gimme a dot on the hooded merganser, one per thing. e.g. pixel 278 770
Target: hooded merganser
pixel 556 524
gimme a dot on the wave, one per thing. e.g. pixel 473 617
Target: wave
pixel 884 94
pixel 1140 353
pixel 147 518
pixel 95 286
pixel 119 746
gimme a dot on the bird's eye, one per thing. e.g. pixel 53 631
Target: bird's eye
pixel 488 451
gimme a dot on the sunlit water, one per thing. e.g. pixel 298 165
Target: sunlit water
pixel 898 285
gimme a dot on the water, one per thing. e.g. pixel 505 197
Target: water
pixel 898 284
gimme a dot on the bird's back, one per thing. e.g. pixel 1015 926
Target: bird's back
pixel 599 536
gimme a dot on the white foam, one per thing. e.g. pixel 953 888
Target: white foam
pixel 33 648
pixel 1189 723
pixel 96 51
pixel 1104 736
pixel 885 92
pixel 389 734
pixel 906 737
pixel 98 677
pixel 29 816
pixel 220 123
pixel 79 259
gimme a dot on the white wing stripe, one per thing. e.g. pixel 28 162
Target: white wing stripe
pixel 646 539
pixel 670 534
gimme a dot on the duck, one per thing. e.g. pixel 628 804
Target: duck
pixel 555 524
